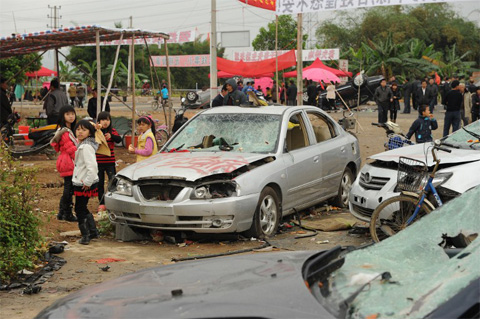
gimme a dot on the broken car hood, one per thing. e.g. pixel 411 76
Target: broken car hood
pixel 250 286
pixel 188 166
pixel 418 152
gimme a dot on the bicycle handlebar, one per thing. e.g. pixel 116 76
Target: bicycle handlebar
pixel 443 149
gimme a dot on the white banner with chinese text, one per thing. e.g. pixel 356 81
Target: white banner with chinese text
pixel 307 55
pixel 181 61
pixel 303 6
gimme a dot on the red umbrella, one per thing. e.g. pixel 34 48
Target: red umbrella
pixel 42 72
pixel 319 75
pixel 318 64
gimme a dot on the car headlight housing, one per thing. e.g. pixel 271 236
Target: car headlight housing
pixel 123 187
pixel 441 178
pixel 214 190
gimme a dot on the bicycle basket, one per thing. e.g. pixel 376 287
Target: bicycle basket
pixel 397 141
pixel 411 174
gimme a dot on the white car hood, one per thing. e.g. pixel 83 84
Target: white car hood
pixel 418 152
pixel 188 166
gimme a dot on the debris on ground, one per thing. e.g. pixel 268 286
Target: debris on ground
pixel 72 233
pixel 106 260
pixel 106 268
pixel 331 224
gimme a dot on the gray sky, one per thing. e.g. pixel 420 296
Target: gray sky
pixel 159 15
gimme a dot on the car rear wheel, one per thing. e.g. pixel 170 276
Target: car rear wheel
pixel 192 97
pixel 344 189
pixel 267 215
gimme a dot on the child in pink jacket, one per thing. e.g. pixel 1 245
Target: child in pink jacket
pixel 66 143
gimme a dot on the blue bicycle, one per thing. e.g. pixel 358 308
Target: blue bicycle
pixel 398 212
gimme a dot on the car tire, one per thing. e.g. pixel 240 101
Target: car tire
pixel 267 215
pixel 364 80
pixel 192 97
pixel 344 189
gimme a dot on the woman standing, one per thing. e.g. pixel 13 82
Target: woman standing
pixel 331 96
pixel 394 103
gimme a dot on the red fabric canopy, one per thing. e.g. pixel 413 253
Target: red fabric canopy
pixel 257 69
pixel 318 64
pixel 42 72
pixel 225 75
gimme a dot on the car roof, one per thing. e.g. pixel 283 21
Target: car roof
pixel 269 109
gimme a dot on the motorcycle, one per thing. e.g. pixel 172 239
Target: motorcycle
pixel 15 143
pixel 180 119
pixel 396 138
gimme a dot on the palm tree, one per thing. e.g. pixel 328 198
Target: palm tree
pixel 88 72
pixel 67 73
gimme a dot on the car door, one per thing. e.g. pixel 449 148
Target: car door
pixel 330 148
pixel 301 162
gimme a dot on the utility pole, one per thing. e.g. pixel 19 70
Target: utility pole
pixel 299 60
pixel 129 59
pixel 54 24
pixel 213 52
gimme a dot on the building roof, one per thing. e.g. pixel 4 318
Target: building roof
pixel 19 44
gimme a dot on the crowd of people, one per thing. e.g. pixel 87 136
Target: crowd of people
pixel 458 99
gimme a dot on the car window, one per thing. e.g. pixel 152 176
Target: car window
pixel 297 136
pixel 245 133
pixel 465 138
pixel 322 128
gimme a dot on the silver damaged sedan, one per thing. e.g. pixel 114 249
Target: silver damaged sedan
pixel 235 169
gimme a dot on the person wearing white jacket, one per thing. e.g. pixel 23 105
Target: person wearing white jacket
pixel 85 179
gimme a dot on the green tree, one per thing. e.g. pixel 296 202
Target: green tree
pixel 287 35
pixel 10 66
pixel 68 73
pixel 432 24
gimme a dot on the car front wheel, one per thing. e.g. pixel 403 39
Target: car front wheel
pixel 344 189
pixel 267 215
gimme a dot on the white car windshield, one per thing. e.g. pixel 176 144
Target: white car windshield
pixel 244 133
pixel 468 137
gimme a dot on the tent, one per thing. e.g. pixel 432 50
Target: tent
pixel 42 72
pixel 318 64
pixel 257 69
pixel 226 75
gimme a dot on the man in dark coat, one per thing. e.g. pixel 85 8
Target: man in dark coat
pixel 218 100
pixel 5 105
pixel 92 105
pixel 424 95
pixel 311 92
pixel 233 96
pixel 292 94
pixel 407 94
pixel 383 97
pixel 434 93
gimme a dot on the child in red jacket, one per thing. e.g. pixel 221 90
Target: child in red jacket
pixel 66 143
pixel 106 164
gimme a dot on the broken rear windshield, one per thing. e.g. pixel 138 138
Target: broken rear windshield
pixel 464 138
pixel 244 133
pixel 423 275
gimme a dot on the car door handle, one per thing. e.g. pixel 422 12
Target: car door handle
pixel 316 159
pixel 342 149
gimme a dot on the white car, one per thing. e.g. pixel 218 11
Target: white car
pixel 459 171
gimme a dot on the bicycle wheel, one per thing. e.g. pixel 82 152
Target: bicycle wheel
pixel 155 105
pixel 391 216
pixel 161 136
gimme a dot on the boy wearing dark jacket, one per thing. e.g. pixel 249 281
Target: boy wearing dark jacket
pixel 423 126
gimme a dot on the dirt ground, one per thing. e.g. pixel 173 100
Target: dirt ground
pixel 81 269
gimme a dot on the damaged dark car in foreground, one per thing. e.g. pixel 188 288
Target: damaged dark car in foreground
pixel 414 274
pixel 238 169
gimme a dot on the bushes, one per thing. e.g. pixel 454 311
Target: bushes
pixel 20 241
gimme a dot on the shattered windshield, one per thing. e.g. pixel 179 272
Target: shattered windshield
pixel 244 133
pixel 423 275
pixel 465 138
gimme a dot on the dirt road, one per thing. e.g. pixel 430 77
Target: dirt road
pixel 81 269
